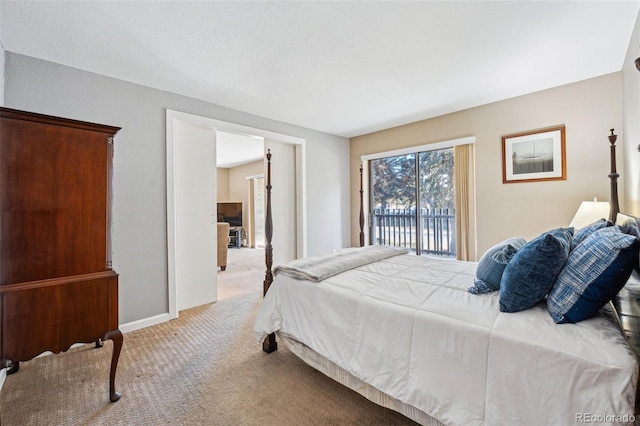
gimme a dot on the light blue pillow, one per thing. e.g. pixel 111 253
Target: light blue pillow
pixel 530 275
pixel 492 264
pixel 594 273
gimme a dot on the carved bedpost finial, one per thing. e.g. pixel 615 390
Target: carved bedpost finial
pixel 269 344
pixel 361 209
pixel 268 229
pixel 615 206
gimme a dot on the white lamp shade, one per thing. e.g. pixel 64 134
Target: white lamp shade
pixel 589 212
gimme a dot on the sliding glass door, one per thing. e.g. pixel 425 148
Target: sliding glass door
pixel 413 202
pixel 393 201
pixel 436 195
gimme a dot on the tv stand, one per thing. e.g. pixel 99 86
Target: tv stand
pixel 235 237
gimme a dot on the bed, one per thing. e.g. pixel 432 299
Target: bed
pixel 405 332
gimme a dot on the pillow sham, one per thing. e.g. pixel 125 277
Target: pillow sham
pixel 622 218
pixel 530 275
pixel 492 264
pixel 583 233
pixel 630 226
pixel 595 272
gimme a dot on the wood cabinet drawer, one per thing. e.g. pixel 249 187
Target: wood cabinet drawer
pixel 54 316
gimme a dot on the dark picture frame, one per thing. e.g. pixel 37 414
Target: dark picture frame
pixel 534 155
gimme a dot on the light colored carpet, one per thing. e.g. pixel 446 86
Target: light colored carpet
pixel 204 368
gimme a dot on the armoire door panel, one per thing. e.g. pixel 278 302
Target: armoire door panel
pixel 54 206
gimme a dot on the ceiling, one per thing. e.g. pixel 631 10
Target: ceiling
pixel 235 150
pixel 341 67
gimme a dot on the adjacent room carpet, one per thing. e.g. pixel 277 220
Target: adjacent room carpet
pixel 204 368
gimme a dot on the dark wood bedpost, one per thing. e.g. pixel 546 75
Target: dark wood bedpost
pixel 361 210
pixel 269 344
pixel 615 206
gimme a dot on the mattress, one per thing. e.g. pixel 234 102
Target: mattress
pixel 406 326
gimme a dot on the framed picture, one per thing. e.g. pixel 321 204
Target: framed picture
pixel 533 156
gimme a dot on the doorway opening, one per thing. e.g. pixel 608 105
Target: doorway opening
pixel 292 234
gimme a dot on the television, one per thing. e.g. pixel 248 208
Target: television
pixel 230 212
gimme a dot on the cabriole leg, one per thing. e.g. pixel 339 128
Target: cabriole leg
pixel 116 337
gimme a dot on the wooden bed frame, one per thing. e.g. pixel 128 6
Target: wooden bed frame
pixel 269 345
pixel 613 192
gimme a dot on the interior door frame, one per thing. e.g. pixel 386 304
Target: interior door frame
pixel 300 149
pixel 251 234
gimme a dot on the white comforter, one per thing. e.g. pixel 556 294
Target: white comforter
pixel 407 326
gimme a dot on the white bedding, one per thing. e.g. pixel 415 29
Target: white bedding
pixel 407 326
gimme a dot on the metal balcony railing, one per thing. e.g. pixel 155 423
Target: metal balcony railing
pixel 399 228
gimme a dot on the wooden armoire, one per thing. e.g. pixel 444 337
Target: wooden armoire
pixel 57 287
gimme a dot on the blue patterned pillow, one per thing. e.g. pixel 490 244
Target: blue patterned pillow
pixel 581 234
pixel 492 264
pixel 594 273
pixel 530 275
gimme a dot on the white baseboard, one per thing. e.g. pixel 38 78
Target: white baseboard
pixel 146 322
pixel 125 328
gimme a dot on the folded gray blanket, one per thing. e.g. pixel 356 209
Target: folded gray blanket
pixel 320 267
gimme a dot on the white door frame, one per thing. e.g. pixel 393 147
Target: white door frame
pixel 224 126
pixel 251 235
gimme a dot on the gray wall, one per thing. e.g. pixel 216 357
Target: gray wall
pixel 140 228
